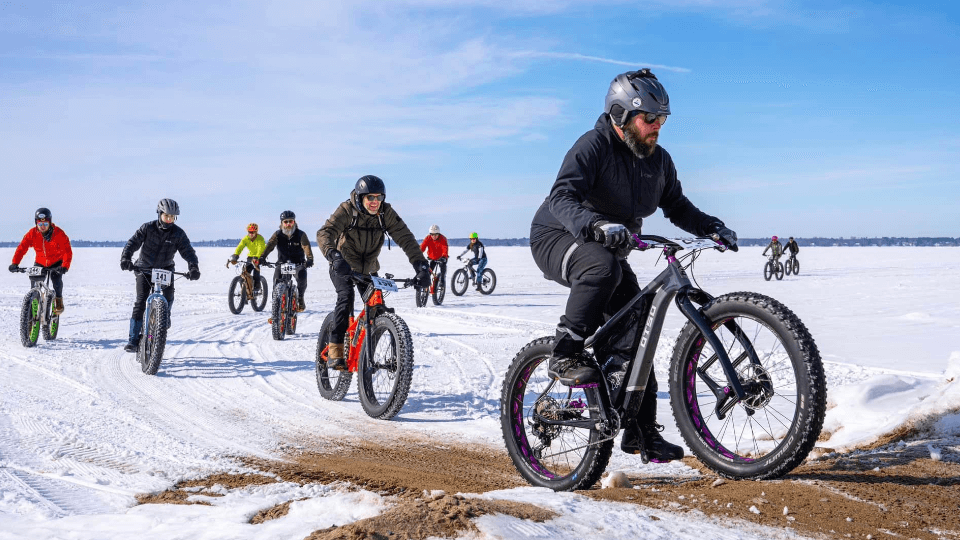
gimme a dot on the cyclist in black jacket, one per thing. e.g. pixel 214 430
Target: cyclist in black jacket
pixel 293 246
pixel 614 176
pixel 158 241
pixel 792 247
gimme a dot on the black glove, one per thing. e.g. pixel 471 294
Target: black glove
pixel 725 236
pixel 610 234
pixel 193 274
pixel 62 270
pixel 423 274
pixel 443 259
pixel 340 266
pixel 309 263
pixel 458 258
pixel 126 264
pixel 14 268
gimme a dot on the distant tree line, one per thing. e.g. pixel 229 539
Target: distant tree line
pixel 491 242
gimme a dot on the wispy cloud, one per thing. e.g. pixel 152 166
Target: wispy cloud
pixel 588 58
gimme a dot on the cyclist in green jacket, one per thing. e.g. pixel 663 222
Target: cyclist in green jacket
pixel 254 244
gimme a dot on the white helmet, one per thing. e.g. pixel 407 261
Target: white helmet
pixel 434 229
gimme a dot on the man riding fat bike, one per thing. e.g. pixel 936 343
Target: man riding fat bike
pixel 351 240
pixel 614 175
pixel 254 243
pixel 435 244
pixel 293 246
pixel 52 250
pixel 158 241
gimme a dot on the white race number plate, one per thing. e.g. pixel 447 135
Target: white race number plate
pixel 384 284
pixel 163 277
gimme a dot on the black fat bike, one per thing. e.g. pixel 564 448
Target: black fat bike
pixel 377 346
pixel 437 289
pixel 37 314
pixel 463 277
pixel 792 266
pixel 283 319
pixel 773 267
pixel 747 385
pixel 156 320
pixel 242 290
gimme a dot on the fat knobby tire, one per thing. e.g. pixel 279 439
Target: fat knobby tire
pixel 387 408
pixel 263 296
pixel 154 337
pixel 459 282
pixel 330 388
pixel 237 296
pixel 279 322
pixel 30 319
pixel 514 430
pixel 804 358
pixel 491 280
pixel 52 325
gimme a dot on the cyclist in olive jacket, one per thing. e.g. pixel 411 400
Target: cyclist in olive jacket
pixel 158 241
pixel 351 240
pixel 293 246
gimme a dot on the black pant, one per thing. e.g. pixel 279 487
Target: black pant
pixel 344 307
pixel 55 278
pixel 434 263
pixel 144 289
pixel 601 283
pixel 301 279
pixel 253 269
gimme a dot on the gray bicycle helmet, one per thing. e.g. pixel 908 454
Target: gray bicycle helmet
pixel 635 91
pixel 367 184
pixel 168 206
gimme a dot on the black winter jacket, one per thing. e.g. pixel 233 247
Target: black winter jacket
pixel 601 179
pixel 294 249
pixel 158 246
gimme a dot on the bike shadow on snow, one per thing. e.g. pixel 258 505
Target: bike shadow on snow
pixel 462 406
pixel 226 367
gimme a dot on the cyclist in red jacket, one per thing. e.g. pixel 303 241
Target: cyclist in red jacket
pixel 435 244
pixel 52 247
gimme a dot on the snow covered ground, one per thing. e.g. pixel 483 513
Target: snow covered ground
pixel 82 430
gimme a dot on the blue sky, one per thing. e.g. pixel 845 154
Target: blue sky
pixel 791 118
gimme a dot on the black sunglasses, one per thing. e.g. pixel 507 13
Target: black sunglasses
pixel 649 117
pixel 374 197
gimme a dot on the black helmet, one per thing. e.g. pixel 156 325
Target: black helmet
pixel 287 214
pixel 635 91
pixel 367 184
pixel 42 214
pixel 168 206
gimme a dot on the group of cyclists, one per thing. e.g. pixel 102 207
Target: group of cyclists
pixel 615 175
pixel 777 249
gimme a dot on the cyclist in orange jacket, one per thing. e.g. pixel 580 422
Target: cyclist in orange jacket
pixel 435 244
pixel 52 247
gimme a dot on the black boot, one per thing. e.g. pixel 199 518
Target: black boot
pixel 136 325
pixel 646 441
pixel 568 364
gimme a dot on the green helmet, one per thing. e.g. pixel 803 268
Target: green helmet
pixel 474 235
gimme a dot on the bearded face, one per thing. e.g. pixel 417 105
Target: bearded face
pixel 641 138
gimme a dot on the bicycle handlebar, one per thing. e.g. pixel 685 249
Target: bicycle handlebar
pixel 24 269
pixel 366 278
pixel 136 269
pixel 643 242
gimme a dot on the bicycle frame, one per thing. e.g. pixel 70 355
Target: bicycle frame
pixel 672 284
pixel 357 334
pixel 43 287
